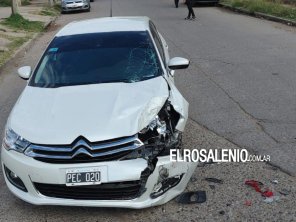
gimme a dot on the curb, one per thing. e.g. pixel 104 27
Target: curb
pixel 27 44
pixel 258 15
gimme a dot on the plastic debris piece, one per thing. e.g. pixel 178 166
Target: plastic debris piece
pixel 192 197
pixel 271 199
pixel 248 203
pixel 275 181
pixel 257 186
pixel 284 192
pixel 213 180
pixel 267 193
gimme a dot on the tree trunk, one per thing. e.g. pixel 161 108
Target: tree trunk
pixel 14 7
pixel 50 2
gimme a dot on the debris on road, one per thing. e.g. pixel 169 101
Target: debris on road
pixel 192 197
pixel 248 203
pixel 284 192
pixel 214 180
pixel 257 186
pixel 275 181
pixel 271 199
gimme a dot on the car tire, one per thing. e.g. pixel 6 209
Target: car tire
pixel 91 0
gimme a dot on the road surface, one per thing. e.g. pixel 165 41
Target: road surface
pixel 241 90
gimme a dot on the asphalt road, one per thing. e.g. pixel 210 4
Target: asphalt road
pixel 241 83
pixel 241 86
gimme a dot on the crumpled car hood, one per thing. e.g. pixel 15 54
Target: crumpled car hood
pixel 97 112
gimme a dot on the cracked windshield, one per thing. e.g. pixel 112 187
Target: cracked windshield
pixel 97 58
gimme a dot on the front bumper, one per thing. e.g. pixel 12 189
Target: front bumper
pixel 31 171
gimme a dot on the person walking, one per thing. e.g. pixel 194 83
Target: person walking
pixel 191 15
pixel 177 3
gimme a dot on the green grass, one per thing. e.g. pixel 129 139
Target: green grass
pixel 271 7
pixel 5 3
pixel 57 7
pixel 50 11
pixel 15 43
pixel 25 2
pixel 20 23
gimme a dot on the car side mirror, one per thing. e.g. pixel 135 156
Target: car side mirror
pixel 24 72
pixel 178 63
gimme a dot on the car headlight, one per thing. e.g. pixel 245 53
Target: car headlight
pixel 159 125
pixel 13 141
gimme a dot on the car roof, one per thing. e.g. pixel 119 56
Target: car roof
pixel 107 24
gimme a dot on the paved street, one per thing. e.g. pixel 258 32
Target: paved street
pixel 241 90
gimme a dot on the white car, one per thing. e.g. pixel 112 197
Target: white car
pixel 97 120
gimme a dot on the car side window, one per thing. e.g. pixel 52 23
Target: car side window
pixel 157 42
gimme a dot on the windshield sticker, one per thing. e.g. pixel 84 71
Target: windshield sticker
pixel 53 49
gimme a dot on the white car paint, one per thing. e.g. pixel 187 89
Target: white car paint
pixel 97 112
pixel 102 111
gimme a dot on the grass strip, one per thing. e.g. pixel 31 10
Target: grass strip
pixel 274 7
pixel 20 23
pixel 15 43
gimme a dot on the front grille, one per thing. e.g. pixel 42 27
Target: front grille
pixel 107 191
pixel 82 151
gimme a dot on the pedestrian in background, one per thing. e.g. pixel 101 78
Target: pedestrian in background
pixel 177 3
pixel 191 15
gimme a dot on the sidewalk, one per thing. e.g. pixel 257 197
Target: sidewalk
pixel 11 40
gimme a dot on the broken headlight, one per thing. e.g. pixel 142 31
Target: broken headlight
pixel 161 134
pixel 156 124
pixel 13 141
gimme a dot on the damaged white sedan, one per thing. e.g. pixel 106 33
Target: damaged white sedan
pixel 95 124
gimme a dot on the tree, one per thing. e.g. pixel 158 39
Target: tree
pixel 51 2
pixel 14 7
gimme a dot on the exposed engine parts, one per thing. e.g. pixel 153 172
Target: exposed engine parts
pixel 161 134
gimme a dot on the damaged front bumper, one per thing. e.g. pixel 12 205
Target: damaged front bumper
pixel 134 184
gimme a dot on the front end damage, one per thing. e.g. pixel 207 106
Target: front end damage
pixel 137 178
pixel 159 137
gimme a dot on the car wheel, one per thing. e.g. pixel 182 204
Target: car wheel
pixel 91 0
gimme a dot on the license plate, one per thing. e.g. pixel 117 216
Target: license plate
pixel 83 176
